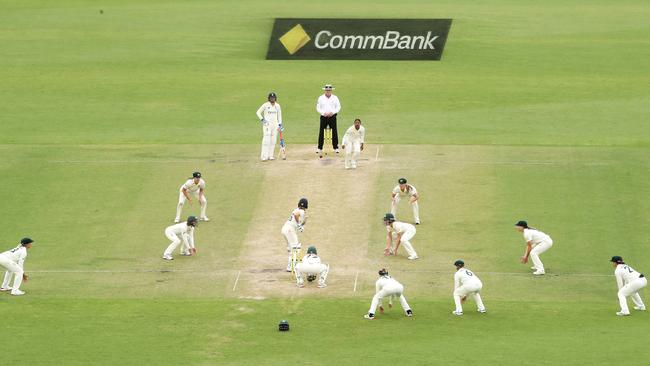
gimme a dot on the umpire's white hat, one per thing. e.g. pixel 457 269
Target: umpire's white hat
pixel 328 87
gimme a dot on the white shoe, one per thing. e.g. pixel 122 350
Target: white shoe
pixel 413 257
pixel 17 292
pixel 482 311
pixel 369 317
pixel 322 285
pixel 533 268
pixel 639 308
pixel 539 273
pixel 288 269
pixel 186 254
pixel 409 313
pixel 354 167
pixel 9 288
pixel 167 257
pixel 417 223
pixel 177 220
pixel 336 151
pixel 271 158
pixel 620 313
pixel 301 284
pixel 457 313
pixel 204 218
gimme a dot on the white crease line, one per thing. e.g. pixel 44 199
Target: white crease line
pixel 236 280
pixel 355 282
pixel 377 154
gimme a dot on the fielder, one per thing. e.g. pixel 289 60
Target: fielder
pixel 181 232
pixel 353 138
pixel 629 283
pixel 290 229
pixel 13 260
pixel 466 283
pixel 311 266
pixel 270 115
pixel 404 232
pixel 406 190
pixel 536 243
pixel 194 187
pixel 386 286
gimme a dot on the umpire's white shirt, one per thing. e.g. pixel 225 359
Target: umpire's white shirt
pixel 325 104
pixel 16 255
pixel 271 113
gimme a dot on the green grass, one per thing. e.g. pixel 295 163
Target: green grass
pixel 537 112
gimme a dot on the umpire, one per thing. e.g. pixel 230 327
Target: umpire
pixel 328 106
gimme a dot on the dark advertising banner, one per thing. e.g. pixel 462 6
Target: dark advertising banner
pixel 358 39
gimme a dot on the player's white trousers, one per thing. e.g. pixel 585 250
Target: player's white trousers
pixel 321 269
pixel 414 205
pixel 632 290
pixel 12 269
pixel 291 236
pixel 352 151
pixel 175 241
pixel 536 251
pixel 406 237
pixel 269 137
pixel 182 199
pixel 396 290
pixel 469 289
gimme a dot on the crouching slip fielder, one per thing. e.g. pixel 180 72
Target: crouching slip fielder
pixel 270 115
pixel 13 260
pixel 311 266
pixel 290 229
pixel 404 233
pixel 404 189
pixel 194 187
pixel 181 232
pixel 466 283
pixel 353 139
pixel 384 287
pixel 629 283
pixel 537 243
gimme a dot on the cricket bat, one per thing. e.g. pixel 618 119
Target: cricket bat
pixel 283 151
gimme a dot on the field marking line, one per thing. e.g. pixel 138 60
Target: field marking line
pixel 356 278
pixel 377 154
pixel 236 281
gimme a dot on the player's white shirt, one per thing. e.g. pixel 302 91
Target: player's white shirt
pixel 192 187
pixel 301 217
pixel 270 112
pixel 409 191
pixel 386 282
pixel 399 227
pixel 16 255
pixel 464 277
pixel 535 236
pixel 625 274
pixel 310 259
pixel 354 135
pixel 183 230
pixel 325 104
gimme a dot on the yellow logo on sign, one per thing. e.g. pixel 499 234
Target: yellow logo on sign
pixel 295 39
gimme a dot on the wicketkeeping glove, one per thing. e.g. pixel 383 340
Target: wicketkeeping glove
pixel 301 228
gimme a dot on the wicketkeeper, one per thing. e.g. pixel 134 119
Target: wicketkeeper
pixel 312 266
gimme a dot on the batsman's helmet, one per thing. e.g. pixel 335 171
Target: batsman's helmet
pixel 401 181
pixel 522 223
pixel 272 95
pixel 303 203
pixel 383 272
pixel 312 250
pixel 283 326
pixel 389 217
pixel 192 220
pixel 196 175
pixel 459 263
pixel 25 241
pixel 617 259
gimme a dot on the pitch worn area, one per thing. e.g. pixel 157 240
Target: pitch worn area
pixel 339 202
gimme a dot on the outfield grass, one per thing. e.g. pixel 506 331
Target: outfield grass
pixel 537 112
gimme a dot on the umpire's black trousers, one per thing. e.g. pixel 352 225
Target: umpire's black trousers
pixel 331 123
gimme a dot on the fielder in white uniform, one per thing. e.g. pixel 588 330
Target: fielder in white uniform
pixel 466 283
pixel 386 286
pixel 290 229
pixel 404 189
pixel 629 283
pixel 13 260
pixel 312 266
pixel 404 233
pixel 193 187
pixel 354 138
pixel 537 243
pixel 183 232
pixel 270 115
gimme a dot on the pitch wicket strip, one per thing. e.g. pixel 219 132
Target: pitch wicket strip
pixel 327 144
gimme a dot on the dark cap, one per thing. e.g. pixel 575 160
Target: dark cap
pixel 272 95
pixel 521 223
pixel 383 272
pixel 25 241
pixel 196 175
pixel 617 259
pixel 402 181
pixel 459 263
